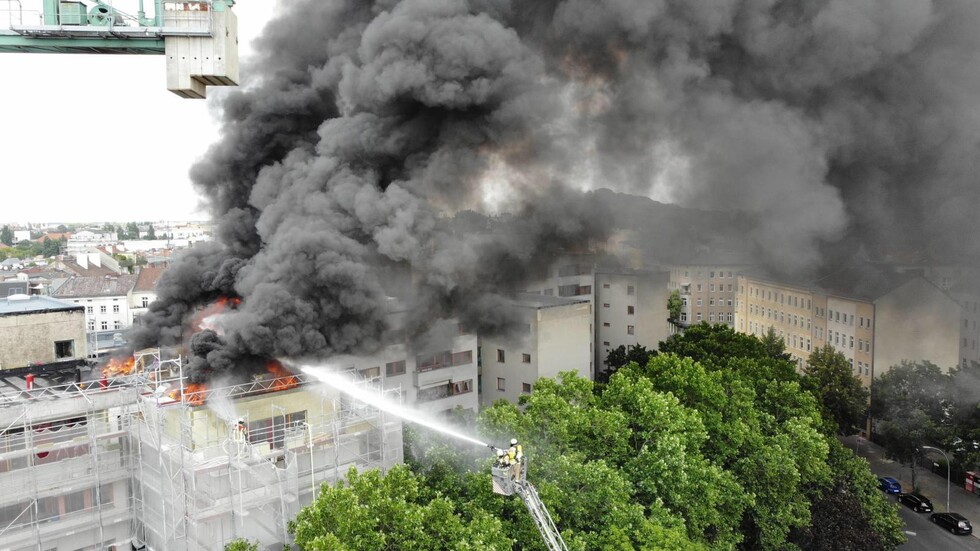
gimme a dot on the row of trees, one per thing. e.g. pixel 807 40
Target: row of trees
pixel 713 441
pixel 918 403
pixel 29 249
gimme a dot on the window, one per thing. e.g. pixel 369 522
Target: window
pixel 526 358
pixel 605 343
pixel 605 285
pixel 630 290
pixel 730 317
pixel 526 388
pixel 629 330
pixel 117 325
pixel 711 288
pixel 683 316
pixel 115 308
pixel 500 359
pixel 102 309
pixel 395 368
pixel 146 302
pixel 711 274
pixel 699 316
pixel 105 325
pixel 501 384
pixel 605 305
pixel 89 310
pixel 64 349
pixel 630 310
pixel 605 324
pixel 700 302
pixel 711 301
pixel 729 287
pixel 699 287
pixel 684 301
pixel 711 317
pixel 370 372
pixel 91 325
pixel 852 342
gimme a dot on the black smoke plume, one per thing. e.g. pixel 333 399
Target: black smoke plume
pixel 365 124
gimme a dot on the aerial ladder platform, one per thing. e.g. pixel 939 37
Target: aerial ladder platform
pixel 198 37
pixel 511 480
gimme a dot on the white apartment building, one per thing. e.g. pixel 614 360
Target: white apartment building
pixel 555 337
pixel 106 301
pixel 86 239
pixel 144 290
pixel 630 310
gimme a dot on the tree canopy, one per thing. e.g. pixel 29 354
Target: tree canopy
pixel 714 443
pixel 829 376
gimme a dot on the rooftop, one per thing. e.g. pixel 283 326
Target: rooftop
pixel 147 279
pixel 108 286
pixel 22 304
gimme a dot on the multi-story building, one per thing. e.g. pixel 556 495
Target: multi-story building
pixel 707 292
pixel 876 317
pixel 106 302
pixel 144 291
pixel 149 461
pixel 555 336
pixel 39 330
pixel 629 306
pixel 630 310
pixel 787 308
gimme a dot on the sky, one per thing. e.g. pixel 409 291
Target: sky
pixel 92 138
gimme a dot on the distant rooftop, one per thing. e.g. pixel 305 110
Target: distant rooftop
pixel 22 304
pixel 146 281
pixel 107 286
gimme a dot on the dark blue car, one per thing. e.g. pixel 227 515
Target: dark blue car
pixel 889 485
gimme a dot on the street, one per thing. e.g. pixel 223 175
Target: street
pixel 925 536
pixel 921 533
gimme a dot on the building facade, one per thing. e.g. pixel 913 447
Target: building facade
pixel 106 303
pixel 554 336
pixel 38 330
pixel 707 292
pixel 875 318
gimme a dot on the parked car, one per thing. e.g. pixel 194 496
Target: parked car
pixel 889 485
pixel 918 502
pixel 954 522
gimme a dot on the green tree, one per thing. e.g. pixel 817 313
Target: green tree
pixel 151 233
pixel 373 511
pixel 621 356
pixel 674 304
pixel 7 236
pixel 132 231
pixel 775 346
pixel 242 545
pixel 909 406
pixel 50 247
pixel 829 376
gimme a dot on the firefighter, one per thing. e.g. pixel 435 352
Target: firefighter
pixel 515 456
pixel 502 459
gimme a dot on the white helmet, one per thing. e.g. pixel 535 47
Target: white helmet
pixel 513 441
pixel 500 453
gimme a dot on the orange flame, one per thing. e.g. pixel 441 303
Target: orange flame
pixel 195 394
pixel 284 378
pixel 217 307
pixel 117 367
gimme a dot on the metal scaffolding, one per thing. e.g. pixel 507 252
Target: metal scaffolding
pixel 175 466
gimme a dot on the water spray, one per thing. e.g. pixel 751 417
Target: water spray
pixel 340 382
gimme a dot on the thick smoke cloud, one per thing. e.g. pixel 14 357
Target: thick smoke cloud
pixel 366 124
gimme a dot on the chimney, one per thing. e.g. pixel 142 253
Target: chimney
pixel 82 260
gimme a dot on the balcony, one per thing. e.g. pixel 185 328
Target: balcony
pixel 438 392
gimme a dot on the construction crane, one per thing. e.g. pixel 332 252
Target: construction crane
pixel 512 479
pixel 198 37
